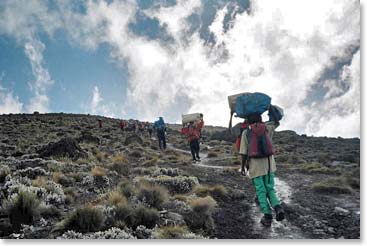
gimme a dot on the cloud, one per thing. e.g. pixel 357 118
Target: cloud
pixel 40 101
pixel 8 102
pixel 282 48
pixel 97 106
pixel 25 20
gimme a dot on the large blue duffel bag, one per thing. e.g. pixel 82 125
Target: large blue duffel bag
pixel 251 103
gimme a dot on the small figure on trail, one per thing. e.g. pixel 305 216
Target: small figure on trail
pixel 258 160
pixel 136 127
pixel 192 132
pixel 122 125
pixel 160 127
pixel 99 123
pixel 149 129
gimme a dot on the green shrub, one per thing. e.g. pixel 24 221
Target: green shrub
pixel 152 195
pixel 50 211
pixel 126 188
pixel 86 219
pixel 123 215
pixel 23 208
pixel 142 215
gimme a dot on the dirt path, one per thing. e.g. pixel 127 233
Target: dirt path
pixel 242 219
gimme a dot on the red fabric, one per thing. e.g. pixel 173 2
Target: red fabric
pixel 237 144
pixel 256 131
pixel 191 133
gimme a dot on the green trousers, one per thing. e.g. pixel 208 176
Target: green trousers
pixel 264 187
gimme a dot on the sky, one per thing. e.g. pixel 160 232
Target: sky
pixel 142 59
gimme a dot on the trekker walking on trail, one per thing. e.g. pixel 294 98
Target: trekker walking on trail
pixel 258 160
pixel 160 127
pixel 192 131
pixel 150 129
pixel 99 123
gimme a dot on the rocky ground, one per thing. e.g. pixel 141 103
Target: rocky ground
pixel 61 176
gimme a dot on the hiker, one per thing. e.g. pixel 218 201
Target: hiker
pixel 150 129
pixel 122 124
pixel 99 123
pixel 258 160
pixel 160 127
pixel 136 127
pixel 192 131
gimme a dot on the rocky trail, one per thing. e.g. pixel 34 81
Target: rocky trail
pixel 278 230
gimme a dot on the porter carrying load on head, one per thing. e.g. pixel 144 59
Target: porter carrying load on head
pixel 192 125
pixel 187 118
pixel 246 104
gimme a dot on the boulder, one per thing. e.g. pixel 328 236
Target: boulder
pixel 66 147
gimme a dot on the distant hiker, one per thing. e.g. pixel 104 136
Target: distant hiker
pixel 122 124
pixel 257 158
pixel 160 127
pixel 192 132
pixel 99 123
pixel 136 127
pixel 149 129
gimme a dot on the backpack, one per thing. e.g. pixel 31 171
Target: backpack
pixel 275 113
pixel 259 143
pixel 243 127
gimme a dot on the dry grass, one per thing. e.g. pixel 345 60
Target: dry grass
pixel 39 182
pixel 216 191
pixel 116 198
pixel 119 159
pixel 203 204
pixel 171 232
pixel 151 162
pixel 98 171
pixel 337 185
pixel 100 156
pixel 56 176
pixel 153 195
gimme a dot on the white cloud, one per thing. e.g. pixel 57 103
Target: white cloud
pixel 40 101
pixel 97 106
pixel 8 102
pixel 279 47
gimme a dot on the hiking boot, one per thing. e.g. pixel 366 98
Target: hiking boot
pixel 198 158
pixel 266 220
pixel 279 213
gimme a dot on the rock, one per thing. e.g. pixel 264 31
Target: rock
pixel 65 147
pixel 133 139
pixel 341 210
pixel 88 137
